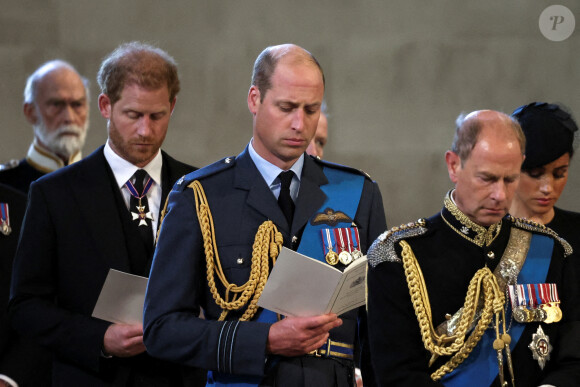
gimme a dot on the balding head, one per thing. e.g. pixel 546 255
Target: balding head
pixel 469 127
pixel 485 165
pixel 269 58
pixel 56 66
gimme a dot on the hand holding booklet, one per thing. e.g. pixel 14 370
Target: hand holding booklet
pixel 302 286
pixel 122 298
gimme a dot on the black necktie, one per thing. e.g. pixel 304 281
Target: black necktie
pixel 285 200
pixel 139 211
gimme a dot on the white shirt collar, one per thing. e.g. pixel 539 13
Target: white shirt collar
pixel 124 170
pixel 270 171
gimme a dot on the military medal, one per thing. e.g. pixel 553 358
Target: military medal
pixel 538 313
pixel 540 347
pixel 331 257
pixel 557 313
pixel 521 314
pixel 556 300
pixel 327 240
pixel 546 304
pixel 355 238
pixel 520 311
pixel 344 255
pixel 5 219
pixel 140 215
pixel 551 302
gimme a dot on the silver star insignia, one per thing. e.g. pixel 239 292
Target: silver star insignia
pixel 142 215
pixel 541 347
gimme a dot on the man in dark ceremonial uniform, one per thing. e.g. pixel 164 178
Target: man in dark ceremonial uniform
pixel 427 325
pixel 98 214
pixel 56 105
pixel 272 193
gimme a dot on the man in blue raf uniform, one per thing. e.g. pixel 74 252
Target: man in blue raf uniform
pixel 219 230
pixel 428 325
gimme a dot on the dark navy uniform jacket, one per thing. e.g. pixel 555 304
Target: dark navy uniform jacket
pixel 448 261
pixel 240 201
pixel 19 175
pixel 17 352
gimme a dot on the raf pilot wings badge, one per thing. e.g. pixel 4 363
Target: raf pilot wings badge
pixel 330 217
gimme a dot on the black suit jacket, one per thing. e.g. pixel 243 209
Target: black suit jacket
pixel 72 235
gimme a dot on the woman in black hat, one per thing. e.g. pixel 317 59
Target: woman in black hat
pixel 550 133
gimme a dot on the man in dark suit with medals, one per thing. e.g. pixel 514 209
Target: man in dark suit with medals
pixel 248 206
pixel 473 296
pixel 99 214
pixel 15 352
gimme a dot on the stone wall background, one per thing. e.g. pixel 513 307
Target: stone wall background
pixel 398 74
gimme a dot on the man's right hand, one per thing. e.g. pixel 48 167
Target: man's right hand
pixel 295 336
pixel 124 340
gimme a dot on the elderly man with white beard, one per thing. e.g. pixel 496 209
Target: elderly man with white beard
pixel 56 105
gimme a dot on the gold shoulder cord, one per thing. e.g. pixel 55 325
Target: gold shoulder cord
pixel 442 345
pixel 267 244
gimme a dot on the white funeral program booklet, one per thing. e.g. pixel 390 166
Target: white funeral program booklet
pixel 122 298
pixel 302 286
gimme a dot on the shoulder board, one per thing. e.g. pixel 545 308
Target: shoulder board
pixel 209 170
pixel 325 163
pixel 530 225
pixel 9 165
pixel 383 249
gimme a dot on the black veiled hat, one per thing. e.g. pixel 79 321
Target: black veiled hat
pixel 549 132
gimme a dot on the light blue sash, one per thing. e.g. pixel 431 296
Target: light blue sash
pixel 343 193
pixel 481 367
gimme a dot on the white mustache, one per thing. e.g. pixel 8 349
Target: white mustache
pixel 68 129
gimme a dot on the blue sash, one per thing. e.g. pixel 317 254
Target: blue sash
pixel 343 193
pixel 480 368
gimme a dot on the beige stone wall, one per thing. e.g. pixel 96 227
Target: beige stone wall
pixel 398 73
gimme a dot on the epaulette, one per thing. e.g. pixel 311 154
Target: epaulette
pixel 340 166
pixel 9 165
pixel 530 225
pixel 209 170
pixel 383 249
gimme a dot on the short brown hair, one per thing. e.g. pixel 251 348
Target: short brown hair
pixel 141 64
pixel 266 62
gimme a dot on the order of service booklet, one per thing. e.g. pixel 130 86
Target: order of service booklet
pixel 122 298
pixel 302 286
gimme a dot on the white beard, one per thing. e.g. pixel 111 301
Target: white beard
pixel 62 144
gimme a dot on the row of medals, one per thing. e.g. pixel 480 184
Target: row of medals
pixel 345 257
pixel 546 313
